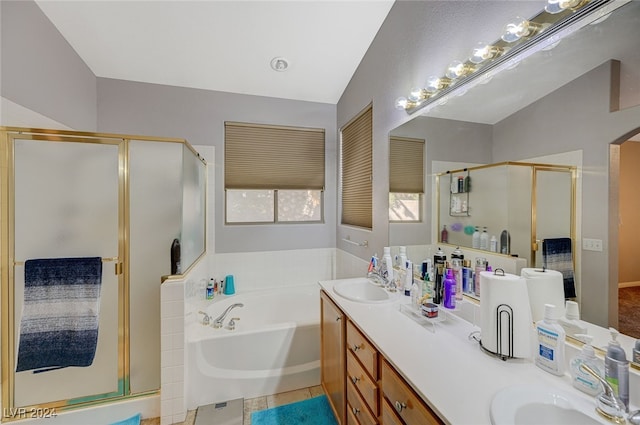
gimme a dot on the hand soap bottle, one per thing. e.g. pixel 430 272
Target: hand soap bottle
pixel 549 354
pixel 582 380
pixel 616 368
pixel 571 320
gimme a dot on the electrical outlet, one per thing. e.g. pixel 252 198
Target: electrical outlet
pixel 592 244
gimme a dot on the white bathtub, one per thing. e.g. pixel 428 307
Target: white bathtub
pixel 275 346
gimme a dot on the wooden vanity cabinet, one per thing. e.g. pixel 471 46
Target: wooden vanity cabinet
pixel 362 378
pixel 333 356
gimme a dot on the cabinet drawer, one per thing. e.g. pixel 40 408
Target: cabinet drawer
pixel 363 350
pixel 389 416
pixel 408 406
pixel 362 382
pixel 357 408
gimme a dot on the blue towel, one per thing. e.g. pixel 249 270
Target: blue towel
pixel 556 255
pixel 59 326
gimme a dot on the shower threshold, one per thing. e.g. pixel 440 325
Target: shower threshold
pixel 224 413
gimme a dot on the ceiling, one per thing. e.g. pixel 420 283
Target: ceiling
pixel 224 45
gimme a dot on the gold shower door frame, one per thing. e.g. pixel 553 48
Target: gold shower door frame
pixel 8 262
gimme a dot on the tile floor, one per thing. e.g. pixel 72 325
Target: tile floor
pixel 267 402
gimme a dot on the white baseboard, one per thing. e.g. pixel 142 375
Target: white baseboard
pixel 628 284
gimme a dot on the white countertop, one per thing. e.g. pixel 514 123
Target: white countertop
pixel 442 364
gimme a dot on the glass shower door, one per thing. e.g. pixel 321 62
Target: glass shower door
pixel 67 202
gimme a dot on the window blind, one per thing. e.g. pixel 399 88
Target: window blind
pixel 357 169
pixel 273 157
pixel 406 165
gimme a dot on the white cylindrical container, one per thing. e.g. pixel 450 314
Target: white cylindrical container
pixel 544 287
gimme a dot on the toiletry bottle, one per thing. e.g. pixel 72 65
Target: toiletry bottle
pixel 636 352
pixel 387 264
pixel 481 265
pixel 580 379
pixel 401 258
pixel 456 267
pixel 438 284
pixel 493 244
pixel 467 277
pixel 210 289
pixel 616 368
pixel 484 239
pixel 460 184
pixel 175 256
pixel 457 253
pixel 416 294
pixel 454 185
pixel 449 284
pixel 408 277
pixel 444 235
pixel 475 239
pixel 467 183
pixel 505 242
pixel 549 355
pixel 570 321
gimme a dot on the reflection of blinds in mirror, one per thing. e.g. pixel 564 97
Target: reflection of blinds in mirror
pixel 406 165
pixel 356 170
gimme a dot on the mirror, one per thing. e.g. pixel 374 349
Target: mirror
pixel 570 105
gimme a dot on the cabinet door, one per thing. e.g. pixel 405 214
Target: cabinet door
pixel 333 355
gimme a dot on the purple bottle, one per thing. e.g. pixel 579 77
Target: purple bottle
pixel 449 290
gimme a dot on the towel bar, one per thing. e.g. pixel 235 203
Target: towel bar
pixel 104 260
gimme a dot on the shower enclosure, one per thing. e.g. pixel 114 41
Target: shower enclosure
pixel 121 198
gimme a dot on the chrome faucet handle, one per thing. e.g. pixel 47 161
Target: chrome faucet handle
pixel 608 404
pixel 206 320
pixel 232 323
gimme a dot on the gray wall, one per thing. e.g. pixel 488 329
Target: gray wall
pixel 41 71
pixel 199 116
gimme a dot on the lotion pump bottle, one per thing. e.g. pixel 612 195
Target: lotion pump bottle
pixel 571 320
pixel 580 379
pixel 387 264
pixel 484 239
pixel 475 239
pixel 616 368
pixel 549 354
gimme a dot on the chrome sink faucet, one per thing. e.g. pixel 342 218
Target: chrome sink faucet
pixel 608 404
pixel 218 322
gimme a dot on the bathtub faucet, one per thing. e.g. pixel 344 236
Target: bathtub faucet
pixel 219 321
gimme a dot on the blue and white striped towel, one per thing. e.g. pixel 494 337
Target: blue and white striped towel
pixel 59 325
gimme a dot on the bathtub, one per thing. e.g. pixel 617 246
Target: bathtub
pixel 275 346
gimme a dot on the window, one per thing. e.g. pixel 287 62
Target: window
pixel 406 179
pixel 273 174
pixel 356 170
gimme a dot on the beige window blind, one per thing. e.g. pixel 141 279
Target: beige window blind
pixel 406 165
pixel 357 169
pixel 273 157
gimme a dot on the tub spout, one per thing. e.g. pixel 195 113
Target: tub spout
pixel 219 321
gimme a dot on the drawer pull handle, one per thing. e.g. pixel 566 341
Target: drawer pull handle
pixel 338 319
pixel 400 406
pixel 355 411
pixel 355 380
pixel 357 347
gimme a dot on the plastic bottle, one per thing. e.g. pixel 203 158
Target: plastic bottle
pixel 210 289
pixel 175 256
pixel 475 239
pixel 571 320
pixel 493 244
pixel 481 265
pixel 444 235
pixel 549 354
pixel 401 258
pixel 457 253
pixel 616 368
pixel 408 277
pixel 416 294
pixel 484 239
pixel 456 267
pixel 467 183
pixel 467 277
pixel 580 379
pixel 636 352
pixel 387 264
pixel 449 290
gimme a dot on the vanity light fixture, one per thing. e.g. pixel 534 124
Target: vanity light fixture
pixel 404 103
pixel 557 6
pixel 458 69
pixel 435 84
pixel 483 52
pixel 418 94
pixel 520 28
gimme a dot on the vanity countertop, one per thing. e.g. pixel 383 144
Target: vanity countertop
pixel 446 367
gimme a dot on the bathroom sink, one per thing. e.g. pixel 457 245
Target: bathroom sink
pixel 541 405
pixel 362 290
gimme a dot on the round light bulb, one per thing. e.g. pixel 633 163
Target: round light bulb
pixel 483 52
pixel 436 83
pixel 417 93
pixel 557 6
pixel 457 69
pixel 402 103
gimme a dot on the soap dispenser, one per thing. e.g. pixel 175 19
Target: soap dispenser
pixel 550 343
pixel 571 320
pixel 616 368
pixel 580 379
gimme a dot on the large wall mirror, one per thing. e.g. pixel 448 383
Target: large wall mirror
pixel 576 103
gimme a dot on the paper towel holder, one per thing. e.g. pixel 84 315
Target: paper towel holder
pixel 503 311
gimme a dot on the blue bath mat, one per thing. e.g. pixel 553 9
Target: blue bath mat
pixel 313 411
